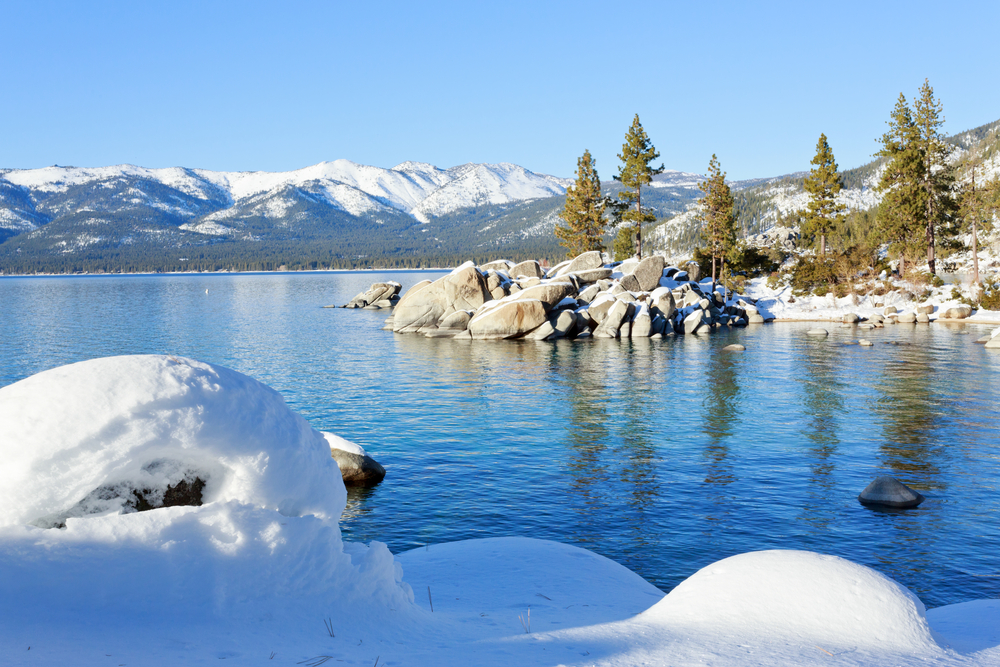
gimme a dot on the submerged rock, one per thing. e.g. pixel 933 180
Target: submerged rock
pixel 817 332
pixel 735 347
pixel 890 492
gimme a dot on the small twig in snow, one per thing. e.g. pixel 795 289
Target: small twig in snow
pixel 315 662
pixel 824 650
pixel 544 596
pixel 525 624
pixel 328 622
pixel 429 598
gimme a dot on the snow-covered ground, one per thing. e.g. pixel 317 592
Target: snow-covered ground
pixel 258 573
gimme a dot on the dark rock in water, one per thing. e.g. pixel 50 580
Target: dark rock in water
pixel 357 469
pixel 889 492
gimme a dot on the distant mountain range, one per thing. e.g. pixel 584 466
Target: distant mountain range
pixel 342 215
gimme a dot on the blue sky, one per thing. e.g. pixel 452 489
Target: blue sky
pixel 277 86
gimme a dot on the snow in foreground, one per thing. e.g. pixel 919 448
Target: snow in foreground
pixel 259 573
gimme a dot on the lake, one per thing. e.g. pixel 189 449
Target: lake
pixel 664 455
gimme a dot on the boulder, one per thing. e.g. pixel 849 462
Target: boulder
pixel 416 288
pixel 735 347
pixel 507 319
pixel 457 321
pixel 889 310
pixel 529 269
pixel 923 318
pixel 630 283
pixel 357 468
pixel 619 312
pixel 591 276
pixel 925 308
pixel 585 262
pixel 907 318
pixel 693 321
pixel 756 318
pixel 642 324
pixel 662 303
pixel 889 492
pixel 958 312
pixel 817 332
pixel 544 331
pixel 588 294
pixel 693 271
pixel 993 342
pixel 648 273
pixel 462 289
pixel 850 318
pixel 864 342
pixel 376 294
pixel 599 309
pixel 549 294
pixel 565 324
pixel 499 265
pixel 876 318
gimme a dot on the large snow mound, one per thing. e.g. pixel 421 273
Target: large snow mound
pixel 76 439
pixel 83 444
pixel 798 595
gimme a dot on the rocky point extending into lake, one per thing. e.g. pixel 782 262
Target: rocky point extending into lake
pixel 587 296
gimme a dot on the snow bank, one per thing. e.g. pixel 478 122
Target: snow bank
pixel 810 597
pixel 83 442
pixel 138 422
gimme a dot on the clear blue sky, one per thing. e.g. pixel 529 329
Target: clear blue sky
pixel 282 85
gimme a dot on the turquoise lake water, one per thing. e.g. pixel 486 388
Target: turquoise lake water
pixel 663 455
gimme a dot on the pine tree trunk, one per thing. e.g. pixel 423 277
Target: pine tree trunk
pixel 638 222
pixel 975 257
pixel 822 246
pixel 713 270
pixel 930 247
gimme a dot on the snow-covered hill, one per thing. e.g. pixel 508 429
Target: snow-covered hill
pixel 419 189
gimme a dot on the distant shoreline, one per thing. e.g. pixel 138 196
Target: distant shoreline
pixel 214 273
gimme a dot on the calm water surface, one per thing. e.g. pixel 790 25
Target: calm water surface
pixel 663 455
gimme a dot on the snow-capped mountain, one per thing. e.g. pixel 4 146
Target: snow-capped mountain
pixel 59 210
pixel 420 190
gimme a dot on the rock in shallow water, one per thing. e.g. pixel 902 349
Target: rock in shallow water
pixel 889 492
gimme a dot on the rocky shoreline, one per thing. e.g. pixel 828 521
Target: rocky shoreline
pixel 576 299
pixel 589 297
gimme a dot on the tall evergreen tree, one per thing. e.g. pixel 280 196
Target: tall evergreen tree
pixel 900 216
pixel 584 210
pixel 823 183
pixel 979 205
pixel 718 221
pixel 635 172
pixel 938 176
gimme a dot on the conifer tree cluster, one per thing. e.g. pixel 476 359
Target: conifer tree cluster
pixel 584 211
pixel 918 205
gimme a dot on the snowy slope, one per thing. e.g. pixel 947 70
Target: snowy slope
pixel 411 186
pixel 476 184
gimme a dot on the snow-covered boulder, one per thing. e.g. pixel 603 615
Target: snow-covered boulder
pixel 357 468
pixel 797 596
pixel 148 423
pixel 263 542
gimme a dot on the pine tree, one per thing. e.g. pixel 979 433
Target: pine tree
pixel 900 215
pixel 823 183
pixel 979 204
pixel 584 211
pixel 718 221
pixel 624 245
pixel 635 172
pixel 938 177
